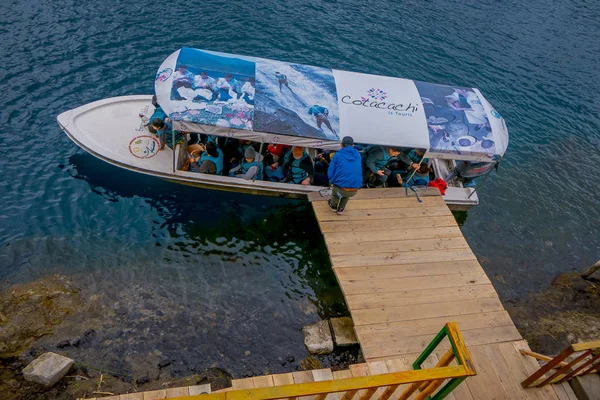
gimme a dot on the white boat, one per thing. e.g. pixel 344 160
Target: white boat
pixel 450 123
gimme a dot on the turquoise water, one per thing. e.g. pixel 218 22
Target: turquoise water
pixel 243 272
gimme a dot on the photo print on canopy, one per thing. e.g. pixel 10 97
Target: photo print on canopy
pixel 294 99
pixel 212 88
pixel 456 119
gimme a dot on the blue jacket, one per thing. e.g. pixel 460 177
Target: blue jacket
pixel 345 169
pixel 317 109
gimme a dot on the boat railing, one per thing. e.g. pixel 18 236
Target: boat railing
pixel 427 381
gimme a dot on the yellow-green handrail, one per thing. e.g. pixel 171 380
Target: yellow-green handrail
pixel 425 380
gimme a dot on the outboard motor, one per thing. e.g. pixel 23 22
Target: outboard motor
pixel 467 171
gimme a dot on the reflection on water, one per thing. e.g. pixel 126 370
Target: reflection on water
pixel 228 280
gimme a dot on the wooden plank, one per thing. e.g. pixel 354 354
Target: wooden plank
pixel 419 296
pixel 377 368
pixel 519 372
pixel 244 383
pixel 283 379
pixel 531 365
pixel 424 311
pixel 199 389
pixel 503 371
pixel 359 370
pixel 397 330
pixel 303 377
pixel 404 213
pixel 564 391
pixel 407 345
pixel 135 396
pixel 177 392
pixel 263 381
pixel 414 282
pixel 325 374
pixel 414 257
pixel 383 193
pixel 383 225
pixel 392 246
pixel 399 233
pixel 342 374
pixel 156 395
pixel 407 270
pixel 358 204
pixel 484 385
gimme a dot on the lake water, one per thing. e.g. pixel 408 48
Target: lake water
pixel 238 276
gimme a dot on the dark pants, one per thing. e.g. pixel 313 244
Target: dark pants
pixel 340 197
pixel 374 180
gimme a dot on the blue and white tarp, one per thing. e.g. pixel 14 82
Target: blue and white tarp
pixel 279 102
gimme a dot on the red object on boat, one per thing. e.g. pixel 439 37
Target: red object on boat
pixel 440 184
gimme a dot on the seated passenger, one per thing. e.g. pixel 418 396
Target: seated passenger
pixel 250 168
pixel 420 177
pixel 298 167
pixel 164 129
pixel 376 160
pixel 416 155
pixel 210 161
pixel 275 155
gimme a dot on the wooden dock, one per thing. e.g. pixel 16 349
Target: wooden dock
pixel 405 269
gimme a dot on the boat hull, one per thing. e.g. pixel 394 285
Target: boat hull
pixel 114 131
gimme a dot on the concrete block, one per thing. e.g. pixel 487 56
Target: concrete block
pixel 586 387
pixel 343 331
pixel 199 389
pixel 47 369
pixel 317 338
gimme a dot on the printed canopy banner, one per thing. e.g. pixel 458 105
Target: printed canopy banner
pixel 280 102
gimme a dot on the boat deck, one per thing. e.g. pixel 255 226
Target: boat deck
pixel 405 270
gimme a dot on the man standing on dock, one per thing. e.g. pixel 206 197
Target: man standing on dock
pixel 345 174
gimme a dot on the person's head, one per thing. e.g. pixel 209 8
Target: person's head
pixel 158 124
pixel 252 81
pixel 228 77
pixel 420 152
pixel 297 151
pixel 211 149
pixel 424 169
pixel 250 154
pixel 203 75
pixel 347 141
pixel 244 141
pixel 277 72
pixel 182 68
pixel 394 151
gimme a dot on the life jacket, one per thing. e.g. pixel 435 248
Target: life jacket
pixel 246 166
pixel 380 164
pixel 298 174
pixel 217 160
pixel 419 180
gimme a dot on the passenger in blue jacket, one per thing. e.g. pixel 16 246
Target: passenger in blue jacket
pixel 345 174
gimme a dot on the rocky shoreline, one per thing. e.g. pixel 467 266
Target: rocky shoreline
pixel 106 340
pixel 35 315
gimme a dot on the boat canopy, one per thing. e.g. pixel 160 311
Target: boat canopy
pixel 280 102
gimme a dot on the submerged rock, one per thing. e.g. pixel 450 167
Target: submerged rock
pixel 317 338
pixel 47 369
